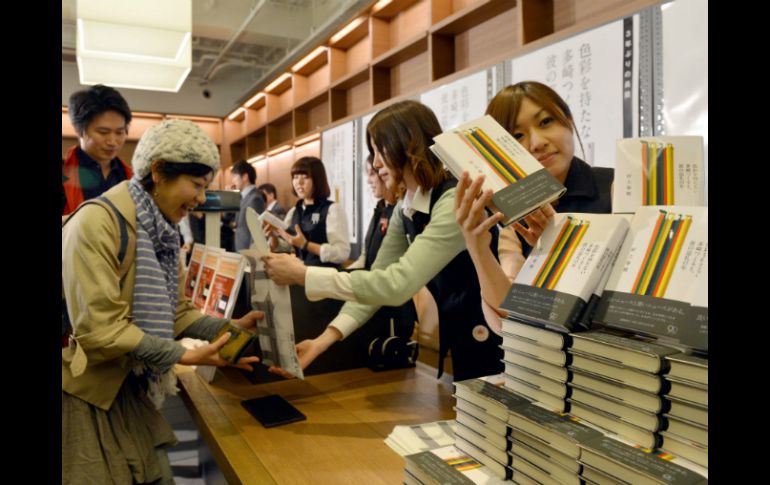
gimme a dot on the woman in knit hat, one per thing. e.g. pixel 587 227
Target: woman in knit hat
pixel 126 306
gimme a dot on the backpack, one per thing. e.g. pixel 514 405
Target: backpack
pixel 66 326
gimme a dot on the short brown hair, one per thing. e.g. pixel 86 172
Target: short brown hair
pixel 505 106
pixel 313 167
pixel 402 133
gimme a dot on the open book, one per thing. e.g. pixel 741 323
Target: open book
pixel 663 170
pixel 560 275
pixel 659 285
pixel 483 147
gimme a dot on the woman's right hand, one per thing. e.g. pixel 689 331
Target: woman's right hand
pixel 471 215
pixel 209 355
pixel 309 350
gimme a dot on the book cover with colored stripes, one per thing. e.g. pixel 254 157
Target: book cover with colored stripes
pixel 665 170
pixel 564 270
pixel 449 465
pixel 483 147
pixel 659 282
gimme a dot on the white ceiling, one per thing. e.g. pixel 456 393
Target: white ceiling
pixel 279 32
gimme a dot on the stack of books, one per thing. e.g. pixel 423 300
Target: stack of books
pixel 408 440
pixel 687 432
pixel 617 384
pixel 552 295
pixel 610 461
pixel 482 423
pixel 545 445
pixel 446 465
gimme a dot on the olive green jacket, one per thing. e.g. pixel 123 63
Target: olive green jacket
pixel 99 302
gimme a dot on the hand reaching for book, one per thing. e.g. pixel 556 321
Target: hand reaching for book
pixel 471 215
pixel 209 355
pixel 309 350
pixel 536 222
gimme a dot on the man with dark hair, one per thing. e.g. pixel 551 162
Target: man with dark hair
pixel 100 117
pixel 243 176
pixel 271 199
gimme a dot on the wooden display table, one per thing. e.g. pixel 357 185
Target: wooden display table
pixel 349 414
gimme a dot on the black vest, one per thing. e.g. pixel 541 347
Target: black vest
pixel 312 221
pixel 475 348
pixel 378 227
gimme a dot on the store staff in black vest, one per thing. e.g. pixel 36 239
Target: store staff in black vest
pixel 424 246
pixel 541 121
pixel 318 228
pixel 401 317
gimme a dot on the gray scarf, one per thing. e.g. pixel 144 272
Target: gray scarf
pixel 156 285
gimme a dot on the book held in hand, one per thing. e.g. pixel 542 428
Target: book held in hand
pixel 560 275
pixel 664 170
pixel 482 147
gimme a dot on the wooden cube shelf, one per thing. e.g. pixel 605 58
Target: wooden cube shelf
pixel 350 53
pixel 479 32
pixel 401 70
pixel 280 130
pixel 397 23
pixel 312 115
pixel 256 143
pixel 351 94
pixel 313 77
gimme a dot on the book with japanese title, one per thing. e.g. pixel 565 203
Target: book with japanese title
pixel 482 147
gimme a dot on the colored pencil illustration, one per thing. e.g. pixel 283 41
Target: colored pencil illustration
pixel 561 253
pixel 657 173
pixel 662 253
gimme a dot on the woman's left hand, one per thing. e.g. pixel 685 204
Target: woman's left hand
pixel 248 322
pixel 285 269
pixel 297 241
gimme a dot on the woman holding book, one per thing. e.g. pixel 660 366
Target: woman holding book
pixel 423 247
pixel 121 280
pixel 539 119
pixel 318 232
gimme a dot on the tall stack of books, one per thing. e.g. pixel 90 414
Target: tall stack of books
pixel 687 432
pixel 482 423
pixel 617 384
pixel 551 296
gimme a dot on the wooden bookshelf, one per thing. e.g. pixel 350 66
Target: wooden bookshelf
pixel 392 51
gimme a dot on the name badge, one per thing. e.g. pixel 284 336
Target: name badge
pixel 315 218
